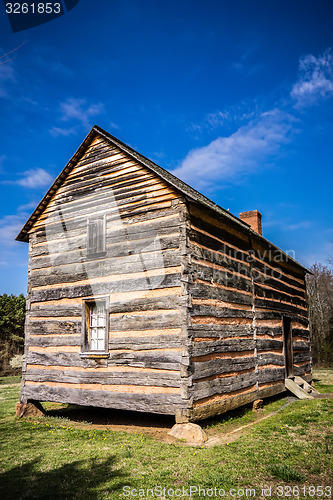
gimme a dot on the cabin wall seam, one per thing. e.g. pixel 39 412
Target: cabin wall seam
pixel 186 383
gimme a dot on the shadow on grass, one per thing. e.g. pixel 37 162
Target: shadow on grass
pixel 106 416
pixel 82 479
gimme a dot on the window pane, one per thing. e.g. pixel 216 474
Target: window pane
pixel 98 325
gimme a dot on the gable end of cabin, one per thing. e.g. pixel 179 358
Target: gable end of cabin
pixel 107 305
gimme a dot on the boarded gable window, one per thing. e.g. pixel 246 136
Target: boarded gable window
pixel 95 326
pixel 96 237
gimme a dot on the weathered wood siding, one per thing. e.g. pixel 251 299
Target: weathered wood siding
pixel 140 273
pixel 239 292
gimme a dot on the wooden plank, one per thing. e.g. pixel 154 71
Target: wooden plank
pixel 135 359
pixel 81 271
pixel 104 377
pixel 102 386
pixel 222 346
pixel 217 275
pixel 166 281
pixel 207 221
pixel 220 312
pixel 277 277
pixel 303 369
pixel 265 375
pixel 127 322
pixel 219 331
pixel 118 230
pixel 56 340
pixel 221 406
pixel 126 210
pixel 139 343
pixel 108 205
pixel 78 245
pixel 218 366
pixel 302 356
pixel 221 254
pixel 153 403
pixel 57 311
pixel 269 344
pixel 158 358
pixel 103 199
pixel 265 294
pixel 60 327
pixel 223 385
pixel 270 358
pixel 226 293
pixel 283 307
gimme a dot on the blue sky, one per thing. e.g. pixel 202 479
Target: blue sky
pixel 235 98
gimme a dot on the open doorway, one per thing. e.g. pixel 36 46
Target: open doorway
pixel 288 346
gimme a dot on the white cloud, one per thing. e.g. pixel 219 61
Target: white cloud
pixel 113 125
pixel 232 156
pixel 235 156
pixel 286 224
pixel 35 178
pixel 230 116
pixel 10 225
pixel 315 81
pixel 28 206
pixel 79 109
pixel 298 225
pixel 64 132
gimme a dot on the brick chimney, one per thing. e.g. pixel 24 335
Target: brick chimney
pixel 253 219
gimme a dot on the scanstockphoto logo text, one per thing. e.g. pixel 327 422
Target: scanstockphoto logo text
pixel 164 492
pixel 24 15
pixel 230 263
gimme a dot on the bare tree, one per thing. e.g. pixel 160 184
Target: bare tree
pixel 320 298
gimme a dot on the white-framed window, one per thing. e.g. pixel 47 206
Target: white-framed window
pixel 96 236
pixel 95 325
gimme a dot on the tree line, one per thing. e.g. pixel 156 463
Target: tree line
pixel 320 301
pixel 12 312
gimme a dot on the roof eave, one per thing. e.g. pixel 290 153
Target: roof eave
pixel 23 234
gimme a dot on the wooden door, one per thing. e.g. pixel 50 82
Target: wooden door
pixel 288 346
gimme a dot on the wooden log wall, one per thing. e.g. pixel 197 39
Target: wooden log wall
pixel 240 289
pixel 140 273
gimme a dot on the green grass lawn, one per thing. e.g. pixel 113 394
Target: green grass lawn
pixel 54 458
pixel 323 379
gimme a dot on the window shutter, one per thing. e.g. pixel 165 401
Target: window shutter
pixel 96 236
pixel 100 236
pixel 91 236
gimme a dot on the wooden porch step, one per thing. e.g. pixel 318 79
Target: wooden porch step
pixel 299 387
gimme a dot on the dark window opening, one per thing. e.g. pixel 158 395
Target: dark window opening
pixel 288 346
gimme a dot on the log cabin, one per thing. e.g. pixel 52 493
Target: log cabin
pixel 145 295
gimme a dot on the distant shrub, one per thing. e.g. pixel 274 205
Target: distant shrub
pixel 12 313
pixel 16 361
